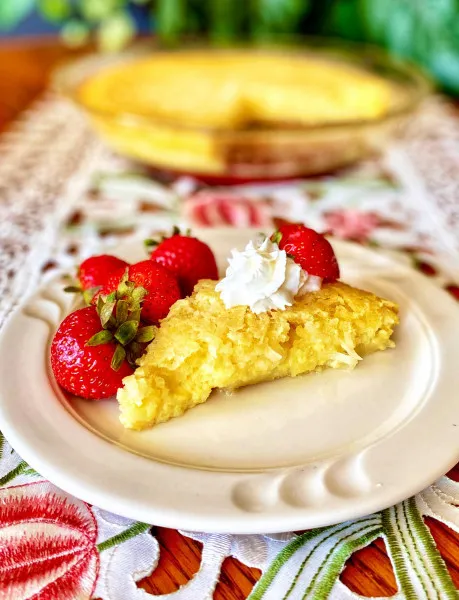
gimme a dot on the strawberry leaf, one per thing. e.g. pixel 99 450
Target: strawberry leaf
pixel 72 289
pixel 136 349
pixel 276 237
pixel 122 310
pixel 150 243
pixel 145 334
pixel 123 287
pixel 134 315
pixel 131 357
pixel 138 294
pixel 100 305
pixel 133 352
pixel 118 357
pixel 107 310
pixel 102 337
pixel 89 294
pixel 126 332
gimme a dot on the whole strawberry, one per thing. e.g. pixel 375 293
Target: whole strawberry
pixel 96 347
pixel 162 288
pixel 187 257
pixel 309 249
pixel 82 369
pixel 95 270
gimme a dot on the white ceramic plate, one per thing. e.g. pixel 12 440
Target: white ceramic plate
pixel 281 456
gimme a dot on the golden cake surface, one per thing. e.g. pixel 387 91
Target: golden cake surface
pixel 201 346
pixel 237 89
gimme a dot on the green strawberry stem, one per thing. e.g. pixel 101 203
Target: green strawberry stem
pixel 126 332
pixel 154 242
pixel 75 288
pixel 118 357
pixel 145 334
pixel 102 337
pixel 119 314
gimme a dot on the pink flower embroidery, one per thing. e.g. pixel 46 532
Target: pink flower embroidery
pixel 47 544
pixel 220 208
pixel 351 224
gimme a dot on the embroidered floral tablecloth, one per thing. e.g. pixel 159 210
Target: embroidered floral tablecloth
pixel 64 196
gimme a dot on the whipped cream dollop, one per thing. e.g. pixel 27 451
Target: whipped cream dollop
pixel 264 278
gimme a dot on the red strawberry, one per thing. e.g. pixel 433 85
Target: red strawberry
pixel 95 348
pixel 425 268
pixel 95 270
pixel 81 369
pixel 453 290
pixel 160 284
pixel 188 258
pixel 309 249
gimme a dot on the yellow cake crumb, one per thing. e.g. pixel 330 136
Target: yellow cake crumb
pixel 201 346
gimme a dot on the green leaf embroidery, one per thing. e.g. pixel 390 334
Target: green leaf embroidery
pixel 18 470
pixel 346 538
pixel 332 566
pixel 268 577
pixel 32 472
pixel 125 535
pixel 414 555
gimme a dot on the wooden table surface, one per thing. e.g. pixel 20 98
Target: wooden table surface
pixel 25 66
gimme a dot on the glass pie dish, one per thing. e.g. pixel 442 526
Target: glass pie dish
pixel 246 113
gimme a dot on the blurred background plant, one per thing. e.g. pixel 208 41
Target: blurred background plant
pixel 425 31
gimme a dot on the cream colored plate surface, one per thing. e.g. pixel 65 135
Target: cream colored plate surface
pixel 285 455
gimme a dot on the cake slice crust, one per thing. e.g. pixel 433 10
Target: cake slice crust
pixel 202 346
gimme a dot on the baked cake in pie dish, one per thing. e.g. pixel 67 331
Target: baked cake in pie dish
pixel 246 113
pixel 268 318
pixel 238 90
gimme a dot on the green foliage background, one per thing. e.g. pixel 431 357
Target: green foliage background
pixel 426 31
